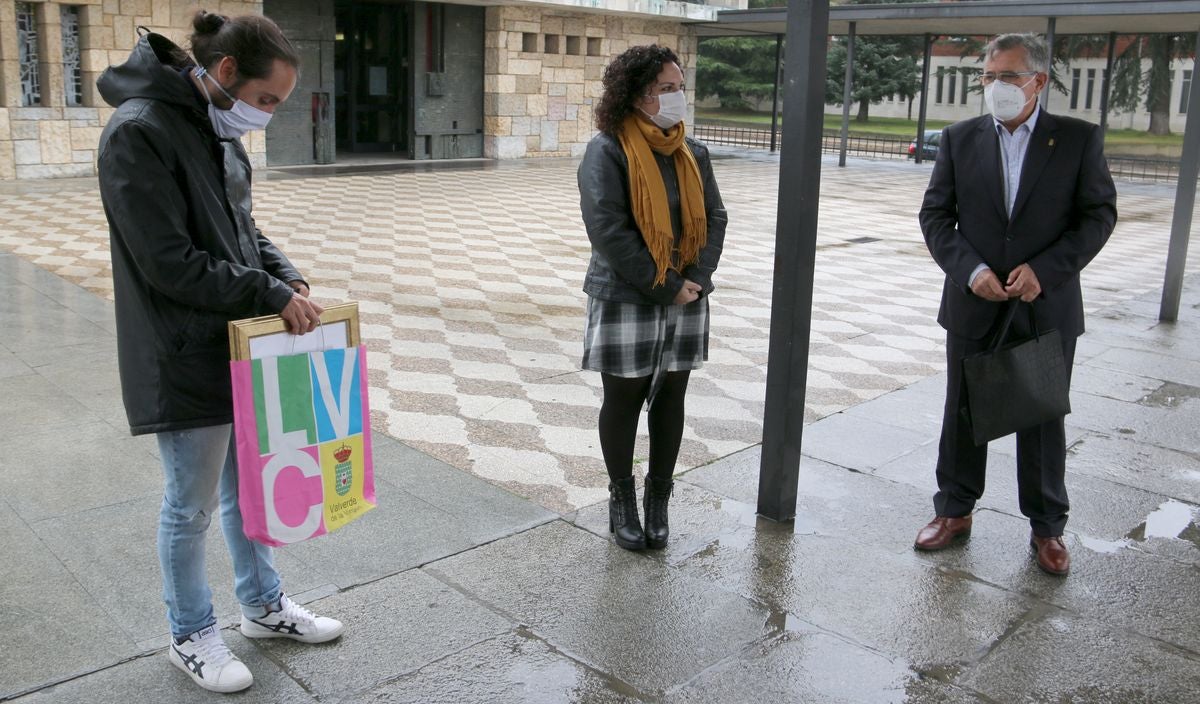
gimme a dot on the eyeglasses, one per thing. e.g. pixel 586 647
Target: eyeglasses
pixel 1012 77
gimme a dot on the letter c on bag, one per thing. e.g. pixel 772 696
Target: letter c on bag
pixel 289 457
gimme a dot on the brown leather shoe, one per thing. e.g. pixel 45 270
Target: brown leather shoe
pixel 942 531
pixel 1052 555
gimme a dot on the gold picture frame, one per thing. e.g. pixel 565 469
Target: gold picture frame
pixel 268 335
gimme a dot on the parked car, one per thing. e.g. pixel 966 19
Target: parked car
pixel 929 149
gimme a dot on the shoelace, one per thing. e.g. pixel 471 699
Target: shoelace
pixel 656 506
pixel 295 612
pixel 656 503
pixel 213 651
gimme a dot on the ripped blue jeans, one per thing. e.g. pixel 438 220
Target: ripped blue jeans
pixel 200 472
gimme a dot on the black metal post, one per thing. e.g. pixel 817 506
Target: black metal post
pixel 846 91
pixel 775 94
pixel 795 259
pixel 1112 46
pixel 1050 24
pixel 920 155
pixel 1185 199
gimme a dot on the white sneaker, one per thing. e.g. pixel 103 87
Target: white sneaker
pixel 292 621
pixel 209 662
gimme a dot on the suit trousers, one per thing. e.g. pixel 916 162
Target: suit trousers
pixel 1041 450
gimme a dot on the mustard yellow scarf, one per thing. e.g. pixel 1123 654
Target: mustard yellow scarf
pixel 648 194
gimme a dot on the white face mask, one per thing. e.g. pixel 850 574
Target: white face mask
pixel 1005 100
pixel 672 108
pixel 236 121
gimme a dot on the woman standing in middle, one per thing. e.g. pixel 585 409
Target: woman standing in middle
pixel 656 224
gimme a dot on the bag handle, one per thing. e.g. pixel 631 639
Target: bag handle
pixel 1008 318
pixel 294 337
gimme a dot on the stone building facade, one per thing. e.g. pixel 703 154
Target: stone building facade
pixel 543 70
pixel 503 81
pixel 53 131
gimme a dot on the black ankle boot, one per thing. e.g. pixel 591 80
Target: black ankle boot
pixel 623 520
pixel 658 493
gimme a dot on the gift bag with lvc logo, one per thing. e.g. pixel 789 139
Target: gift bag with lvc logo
pixel 303 436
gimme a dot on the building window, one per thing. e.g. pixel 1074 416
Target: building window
pixel 528 42
pixel 941 76
pixel 953 89
pixel 27 54
pixel 72 75
pixel 552 44
pixel 1075 89
pixel 1185 91
pixel 1091 89
pixel 573 46
pixel 593 46
pixel 966 85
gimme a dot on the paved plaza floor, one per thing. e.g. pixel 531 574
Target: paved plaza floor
pixel 469 282
pixel 487 574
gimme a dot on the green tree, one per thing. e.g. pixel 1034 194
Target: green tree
pixel 883 66
pixel 1133 84
pixel 737 68
pixel 1158 82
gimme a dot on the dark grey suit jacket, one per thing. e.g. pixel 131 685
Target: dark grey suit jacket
pixel 1065 210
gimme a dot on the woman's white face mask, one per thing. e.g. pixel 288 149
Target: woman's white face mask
pixel 672 108
pixel 237 120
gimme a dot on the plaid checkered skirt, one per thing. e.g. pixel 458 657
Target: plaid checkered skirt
pixel 633 340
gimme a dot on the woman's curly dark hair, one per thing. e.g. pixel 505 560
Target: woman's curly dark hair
pixel 626 79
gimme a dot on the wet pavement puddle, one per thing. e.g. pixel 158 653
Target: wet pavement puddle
pixel 1170 395
pixel 1172 520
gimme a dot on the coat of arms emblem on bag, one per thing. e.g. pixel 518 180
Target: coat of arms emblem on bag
pixel 343 475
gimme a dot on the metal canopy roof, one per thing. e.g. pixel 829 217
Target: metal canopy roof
pixel 978 18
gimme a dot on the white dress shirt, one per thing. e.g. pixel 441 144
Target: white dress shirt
pixel 1013 146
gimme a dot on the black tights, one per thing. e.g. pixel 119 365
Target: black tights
pixel 619 414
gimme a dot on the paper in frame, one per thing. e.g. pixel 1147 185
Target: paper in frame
pixel 267 336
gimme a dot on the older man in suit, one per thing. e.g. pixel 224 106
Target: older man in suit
pixel 1019 202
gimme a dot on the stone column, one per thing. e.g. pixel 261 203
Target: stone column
pixel 95 42
pixel 10 68
pixel 8 168
pixel 50 56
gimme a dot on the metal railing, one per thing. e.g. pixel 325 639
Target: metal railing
pixel 1152 169
pixel 1136 168
pixel 732 136
pixel 754 137
pixel 874 147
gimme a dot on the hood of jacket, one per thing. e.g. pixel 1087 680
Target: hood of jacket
pixel 151 72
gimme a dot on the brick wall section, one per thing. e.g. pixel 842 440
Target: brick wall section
pixel 539 104
pixel 53 140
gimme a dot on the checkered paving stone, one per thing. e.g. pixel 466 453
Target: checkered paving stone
pixel 469 288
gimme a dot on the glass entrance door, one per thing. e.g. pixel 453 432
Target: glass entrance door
pixel 371 77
